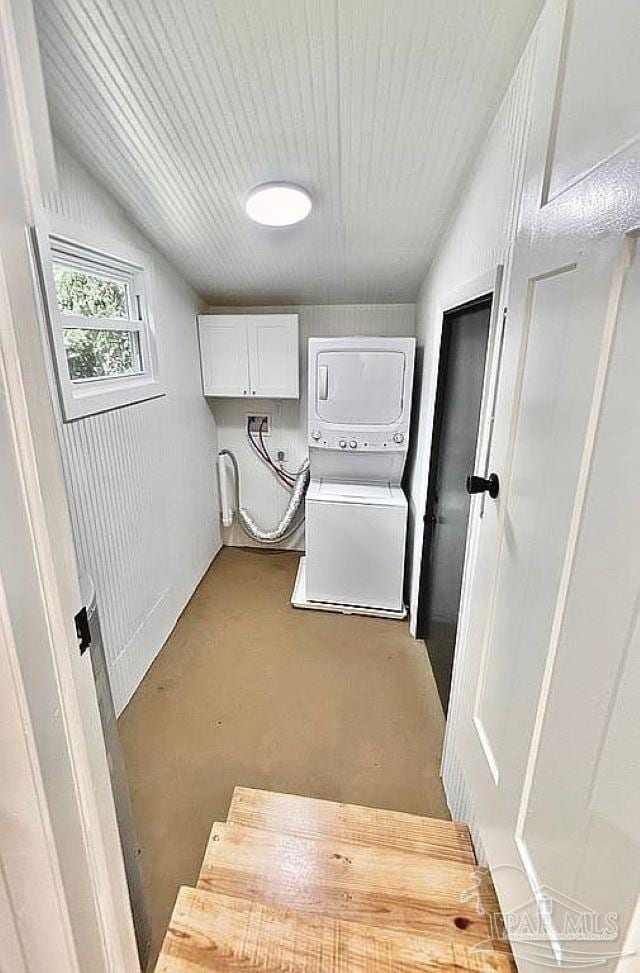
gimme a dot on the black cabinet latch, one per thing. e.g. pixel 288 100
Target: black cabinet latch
pixel 82 629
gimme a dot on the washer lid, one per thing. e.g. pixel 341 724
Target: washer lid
pixel 330 491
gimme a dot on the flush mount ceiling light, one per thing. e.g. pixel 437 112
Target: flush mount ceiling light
pixel 278 204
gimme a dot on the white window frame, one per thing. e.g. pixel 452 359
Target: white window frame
pixel 58 241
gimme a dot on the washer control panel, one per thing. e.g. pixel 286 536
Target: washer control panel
pixel 394 439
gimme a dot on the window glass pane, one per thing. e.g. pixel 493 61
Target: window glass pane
pixel 92 295
pixel 101 354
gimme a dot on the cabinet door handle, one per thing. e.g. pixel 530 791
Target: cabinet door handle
pixel 323 382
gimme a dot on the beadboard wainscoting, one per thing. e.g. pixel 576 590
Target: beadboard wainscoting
pixel 261 493
pixel 141 480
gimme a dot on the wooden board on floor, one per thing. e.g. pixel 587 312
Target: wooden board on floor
pixel 311 818
pixel 211 932
pixel 217 831
pixel 323 876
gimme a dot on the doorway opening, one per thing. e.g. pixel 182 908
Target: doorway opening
pixel 461 370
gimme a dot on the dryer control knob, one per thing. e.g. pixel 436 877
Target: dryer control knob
pixel 342 444
pixel 398 438
pixel 315 434
pixel 353 444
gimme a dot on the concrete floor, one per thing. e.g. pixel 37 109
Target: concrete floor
pixel 250 691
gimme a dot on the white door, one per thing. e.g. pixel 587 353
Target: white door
pixel 224 354
pixel 61 869
pixel 548 733
pixel 30 880
pixel 273 355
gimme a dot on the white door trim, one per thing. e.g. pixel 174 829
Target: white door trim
pixel 490 283
pixel 472 290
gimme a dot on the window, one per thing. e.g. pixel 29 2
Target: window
pixel 101 333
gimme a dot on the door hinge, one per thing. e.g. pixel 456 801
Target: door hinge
pixel 82 629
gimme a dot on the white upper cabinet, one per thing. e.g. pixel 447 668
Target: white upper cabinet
pixel 273 354
pixel 223 354
pixel 250 354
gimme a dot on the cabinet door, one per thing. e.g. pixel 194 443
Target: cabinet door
pixel 223 354
pixel 273 355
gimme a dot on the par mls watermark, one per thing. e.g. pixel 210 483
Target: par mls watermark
pixel 578 926
pixel 547 928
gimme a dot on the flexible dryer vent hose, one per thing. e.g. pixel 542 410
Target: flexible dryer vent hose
pixel 288 522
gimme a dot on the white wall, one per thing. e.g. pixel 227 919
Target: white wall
pixel 141 480
pixel 261 493
pixel 479 237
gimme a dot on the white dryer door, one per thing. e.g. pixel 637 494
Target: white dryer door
pixel 360 387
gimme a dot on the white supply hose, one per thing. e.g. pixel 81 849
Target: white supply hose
pixel 288 523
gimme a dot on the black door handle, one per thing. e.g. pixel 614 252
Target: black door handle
pixel 478 484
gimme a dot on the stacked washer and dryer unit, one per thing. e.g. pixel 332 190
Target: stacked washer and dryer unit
pixel 356 511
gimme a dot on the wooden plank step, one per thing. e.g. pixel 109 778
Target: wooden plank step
pixel 212 932
pixel 218 828
pixel 313 818
pixel 322 876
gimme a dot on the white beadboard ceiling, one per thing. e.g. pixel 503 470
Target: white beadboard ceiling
pixel 377 106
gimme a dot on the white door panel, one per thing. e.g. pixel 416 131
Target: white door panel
pixel 566 312
pixel 223 353
pixel 547 730
pixel 273 355
pixel 598 106
pixel 580 828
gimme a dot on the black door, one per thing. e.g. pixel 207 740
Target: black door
pixel 457 412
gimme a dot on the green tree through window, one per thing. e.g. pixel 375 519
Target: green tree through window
pixel 90 295
pixel 93 353
pixel 98 354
